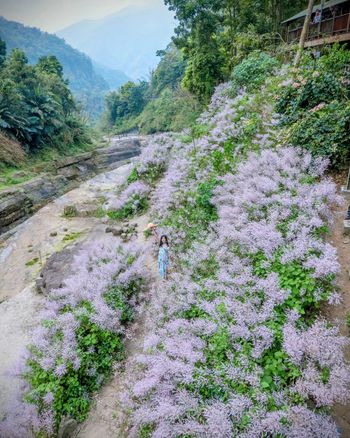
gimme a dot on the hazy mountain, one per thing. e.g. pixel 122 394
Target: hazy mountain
pixel 127 40
pixel 88 84
pixel 114 78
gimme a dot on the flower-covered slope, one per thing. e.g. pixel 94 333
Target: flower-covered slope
pixel 79 339
pixel 240 348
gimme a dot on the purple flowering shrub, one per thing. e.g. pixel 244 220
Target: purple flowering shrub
pixel 79 339
pixel 132 200
pixel 238 349
pixel 154 159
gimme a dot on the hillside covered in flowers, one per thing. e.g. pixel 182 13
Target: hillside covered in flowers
pixel 239 346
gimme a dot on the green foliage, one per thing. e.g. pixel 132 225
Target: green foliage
pixel 158 106
pixel 124 104
pixel 136 205
pixel 36 106
pixel 134 176
pixel 98 349
pixel 300 97
pixel 32 262
pixel 118 299
pixel 348 320
pixel 326 133
pixel 71 236
pixel 171 111
pixel 315 106
pixel 169 71
pixel 215 35
pixel 252 72
pixel 196 210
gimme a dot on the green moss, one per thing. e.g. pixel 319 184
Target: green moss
pixel 72 236
pixel 32 262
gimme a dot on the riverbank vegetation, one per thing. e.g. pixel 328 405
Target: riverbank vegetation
pixel 37 110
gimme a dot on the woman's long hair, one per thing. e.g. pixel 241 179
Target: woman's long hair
pixel 161 240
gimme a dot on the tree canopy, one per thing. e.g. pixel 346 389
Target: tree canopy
pixel 213 35
pixel 36 106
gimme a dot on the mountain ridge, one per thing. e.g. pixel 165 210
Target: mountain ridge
pixel 126 40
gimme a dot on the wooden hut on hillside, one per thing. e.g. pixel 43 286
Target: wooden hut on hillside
pixel 330 22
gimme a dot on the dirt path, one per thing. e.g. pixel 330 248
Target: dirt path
pixel 339 313
pixel 107 416
pixel 37 239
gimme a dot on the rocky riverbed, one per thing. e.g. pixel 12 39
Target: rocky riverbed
pixel 23 255
pixel 19 203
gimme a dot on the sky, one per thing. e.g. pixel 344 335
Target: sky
pixel 54 15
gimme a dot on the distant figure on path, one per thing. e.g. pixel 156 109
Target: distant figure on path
pixel 163 257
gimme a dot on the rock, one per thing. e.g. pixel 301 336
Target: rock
pixel 109 229
pixel 70 211
pixel 53 234
pixel 117 231
pixel 14 207
pixel 346 225
pixel 67 428
pixel 57 268
pixel 65 229
pixel 19 174
pixel 40 284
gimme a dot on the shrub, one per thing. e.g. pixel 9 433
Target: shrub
pixel 253 71
pixel 79 339
pixel 301 96
pixel 237 350
pixel 131 201
pixel 325 132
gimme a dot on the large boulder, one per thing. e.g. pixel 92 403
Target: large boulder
pixel 57 268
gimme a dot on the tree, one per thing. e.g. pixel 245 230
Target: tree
pixel 304 33
pixel 50 65
pixel 36 105
pixel 2 51
pixel 214 34
pixel 169 71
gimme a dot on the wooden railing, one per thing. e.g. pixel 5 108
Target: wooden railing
pixel 328 27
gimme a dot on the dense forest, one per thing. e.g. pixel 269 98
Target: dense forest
pixel 37 109
pixel 87 81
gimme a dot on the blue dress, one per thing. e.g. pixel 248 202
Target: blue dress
pixel 163 260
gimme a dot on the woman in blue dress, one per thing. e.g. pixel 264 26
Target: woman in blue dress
pixel 163 257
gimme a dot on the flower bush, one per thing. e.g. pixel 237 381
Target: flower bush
pixel 314 107
pixel 132 200
pixel 325 131
pixel 237 350
pixel 79 339
pixel 252 72
pixel 153 159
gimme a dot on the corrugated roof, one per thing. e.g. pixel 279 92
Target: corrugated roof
pixel 328 4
